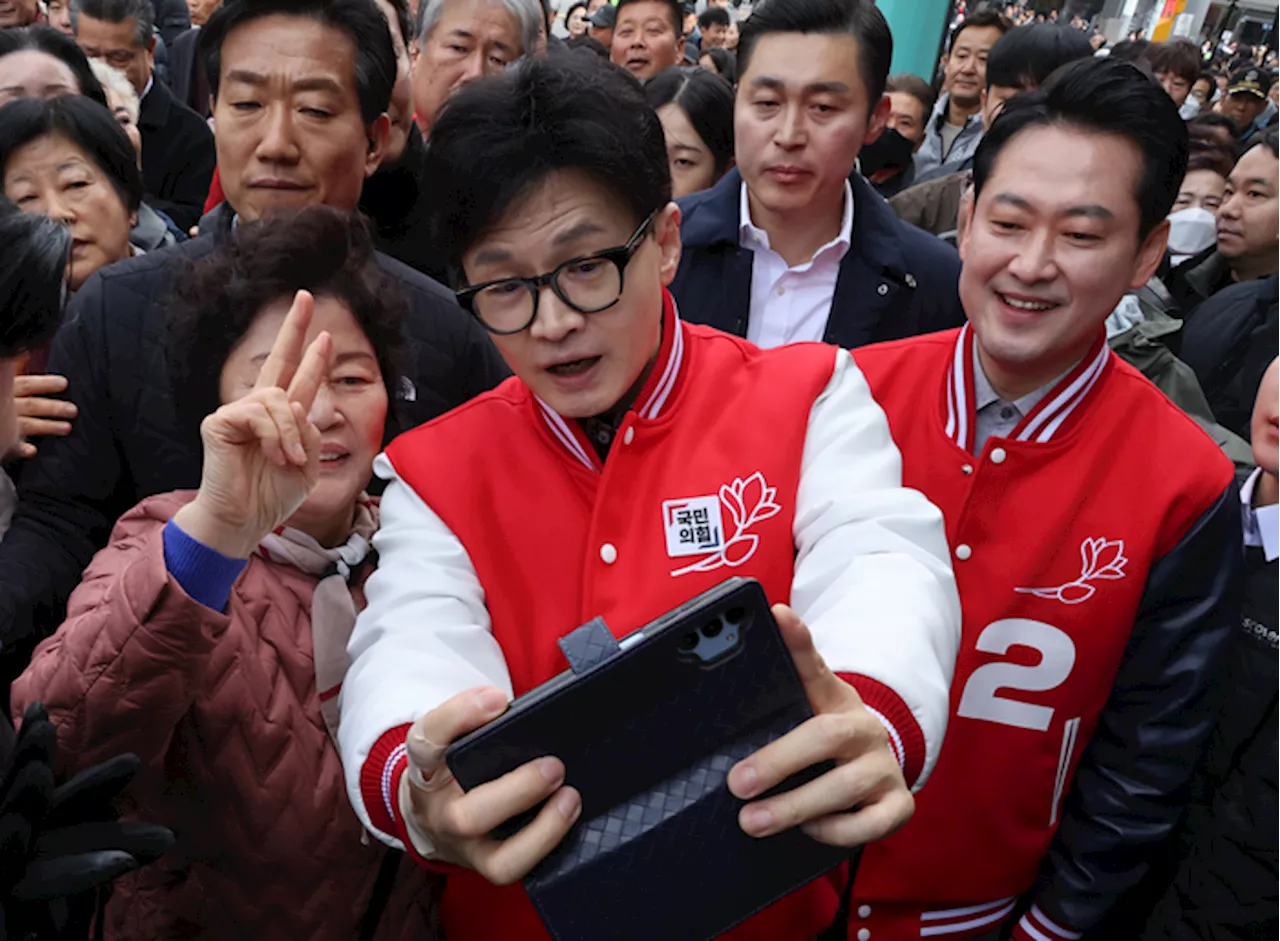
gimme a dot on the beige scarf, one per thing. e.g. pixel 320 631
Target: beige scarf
pixel 333 605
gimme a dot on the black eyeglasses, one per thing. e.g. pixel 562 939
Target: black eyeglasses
pixel 588 285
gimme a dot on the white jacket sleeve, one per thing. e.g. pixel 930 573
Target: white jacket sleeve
pixel 423 637
pixel 873 579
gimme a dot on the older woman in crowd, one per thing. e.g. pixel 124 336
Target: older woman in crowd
pixel 209 637
pixel 39 62
pixel 68 159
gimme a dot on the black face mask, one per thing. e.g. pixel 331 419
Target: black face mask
pixel 891 151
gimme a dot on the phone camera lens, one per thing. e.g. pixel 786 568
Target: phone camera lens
pixel 713 629
pixel 735 615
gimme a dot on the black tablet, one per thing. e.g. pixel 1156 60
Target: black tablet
pixel 648 728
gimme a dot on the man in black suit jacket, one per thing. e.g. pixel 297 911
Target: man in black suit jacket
pixel 785 247
pixel 177 145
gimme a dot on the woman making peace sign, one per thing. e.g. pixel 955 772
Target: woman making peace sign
pixel 209 637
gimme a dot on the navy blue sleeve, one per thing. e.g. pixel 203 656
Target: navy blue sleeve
pixel 205 574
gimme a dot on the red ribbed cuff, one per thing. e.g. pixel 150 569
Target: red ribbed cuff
pixel 380 781
pixel 1035 925
pixel 906 739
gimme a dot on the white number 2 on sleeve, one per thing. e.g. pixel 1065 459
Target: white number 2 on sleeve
pixel 1057 657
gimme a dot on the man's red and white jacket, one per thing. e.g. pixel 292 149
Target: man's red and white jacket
pixel 503 531
pixel 1096 553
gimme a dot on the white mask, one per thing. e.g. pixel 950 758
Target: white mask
pixel 1191 231
pixel 1190 108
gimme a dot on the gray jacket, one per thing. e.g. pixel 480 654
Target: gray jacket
pixel 930 156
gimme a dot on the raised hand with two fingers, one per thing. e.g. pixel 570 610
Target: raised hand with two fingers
pixel 261 452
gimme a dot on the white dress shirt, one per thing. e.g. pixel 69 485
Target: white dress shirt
pixel 1261 524
pixel 791 305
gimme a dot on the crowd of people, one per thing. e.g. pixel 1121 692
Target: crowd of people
pixel 352 352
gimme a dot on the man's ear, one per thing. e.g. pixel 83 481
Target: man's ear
pixel 1150 254
pixel 666 232
pixel 877 120
pixel 379 133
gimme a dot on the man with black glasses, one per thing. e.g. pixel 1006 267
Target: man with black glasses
pixel 633 462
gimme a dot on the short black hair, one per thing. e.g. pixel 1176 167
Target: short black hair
pixel 319 249
pixel 674 8
pixel 33 269
pixel 86 124
pixel 914 86
pixel 980 20
pixel 499 137
pixel 360 20
pixel 584 44
pixel 1201 129
pixel 1025 57
pixel 714 16
pixel 48 40
pixel 141 12
pixel 1130 50
pixel 858 18
pixel 1102 96
pixel 1179 56
pixel 706 99
pixel 726 62
pixel 1266 138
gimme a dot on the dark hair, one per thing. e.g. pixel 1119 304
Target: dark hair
pixel 673 7
pixel 726 63
pixel 587 44
pixel 404 20
pixel 1269 138
pixel 714 16
pixel 569 12
pixel 498 137
pixel 88 125
pixel 980 20
pixel 33 269
pixel 1201 128
pixel 858 18
pixel 360 20
pixel 1102 96
pixel 1025 57
pixel 319 249
pixel 141 12
pixel 1129 50
pixel 63 48
pixel 706 99
pixel 1179 56
pixel 1209 156
pixel 914 86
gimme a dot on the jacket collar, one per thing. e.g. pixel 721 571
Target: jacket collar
pixel 153 110
pixel 874 234
pixel 652 402
pixel 1043 422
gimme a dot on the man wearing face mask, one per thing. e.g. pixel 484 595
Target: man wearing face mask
pixel 886 162
pixel 1193 223
pixel 1021 60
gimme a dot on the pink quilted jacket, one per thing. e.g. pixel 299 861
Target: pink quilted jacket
pixel 222 710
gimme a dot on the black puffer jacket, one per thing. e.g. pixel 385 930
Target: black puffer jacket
pixel 127 442
pixel 1225 888
pixel 1230 343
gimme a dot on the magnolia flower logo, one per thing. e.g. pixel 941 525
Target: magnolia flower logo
pixel 748 502
pixel 1099 559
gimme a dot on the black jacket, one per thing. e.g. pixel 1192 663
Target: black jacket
pixel 1197 279
pixel 895 281
pixel 394 199
pixel 177 156
pixel 127 442
pixel 186 72
pixel 1229 344
pixel 172 17
pixel 1225 887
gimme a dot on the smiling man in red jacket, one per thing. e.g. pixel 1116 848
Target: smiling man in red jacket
pixel 633 462
pixel 1094 528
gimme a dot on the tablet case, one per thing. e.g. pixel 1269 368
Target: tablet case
pixel 648 736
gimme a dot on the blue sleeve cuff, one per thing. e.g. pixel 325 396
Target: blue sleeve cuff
pixel 205 574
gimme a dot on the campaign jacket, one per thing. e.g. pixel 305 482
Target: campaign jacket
pixel 502 531
pixel 1097 555
pixel 895 281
